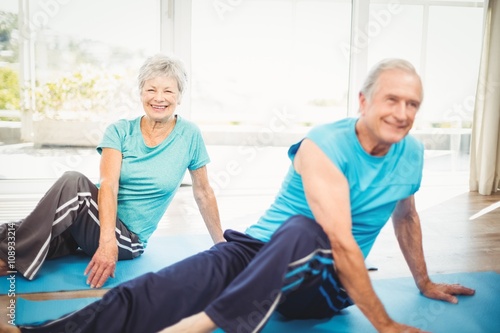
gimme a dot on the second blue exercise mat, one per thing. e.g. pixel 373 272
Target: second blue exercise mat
pixel 479 313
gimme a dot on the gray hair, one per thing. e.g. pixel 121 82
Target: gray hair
pixel 163 65
pixel 387 64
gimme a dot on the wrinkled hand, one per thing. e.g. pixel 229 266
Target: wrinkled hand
pixel 102 266
pixel 445 292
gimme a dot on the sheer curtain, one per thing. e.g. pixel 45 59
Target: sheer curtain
pixel 485 143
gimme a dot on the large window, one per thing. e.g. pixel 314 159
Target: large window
pixel 307 59
pixel 253 64
pixel 77 60
pixel 77 64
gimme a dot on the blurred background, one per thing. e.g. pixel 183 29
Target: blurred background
pixel 262 72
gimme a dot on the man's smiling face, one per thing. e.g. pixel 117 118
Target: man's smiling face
pixel 388 114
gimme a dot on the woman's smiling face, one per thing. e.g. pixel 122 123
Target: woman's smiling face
pixel 160 97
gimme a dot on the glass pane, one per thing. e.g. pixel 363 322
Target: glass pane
pixel 88 54
pixel 444 44
pixel 452 66
pixel 395 31
pixel 448 59
pixel 86 57
pixel 9 64
pixel 255 58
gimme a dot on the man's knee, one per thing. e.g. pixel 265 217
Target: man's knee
pixel 303 228
pixel 301 224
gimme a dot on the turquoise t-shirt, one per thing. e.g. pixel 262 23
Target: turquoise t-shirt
pixel 150 176
pixel 376 183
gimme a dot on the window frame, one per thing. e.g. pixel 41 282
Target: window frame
pixel 175 38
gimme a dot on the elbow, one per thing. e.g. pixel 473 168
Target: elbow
pixel 405 221
pixel 108 187
pixel 203 194
pixel 342 247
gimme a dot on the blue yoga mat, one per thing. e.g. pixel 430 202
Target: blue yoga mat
pixel 479 313
pixel 66 273
pixel 37 312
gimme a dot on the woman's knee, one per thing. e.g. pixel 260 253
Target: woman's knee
pixel 72 175
pixel 75 179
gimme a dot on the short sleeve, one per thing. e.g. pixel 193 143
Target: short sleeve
pixel 111 138
pixel 199 153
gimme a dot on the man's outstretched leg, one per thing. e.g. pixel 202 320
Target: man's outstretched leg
pixel 145 304
pixel 4 268
pixel 198 323
pixel 154 301
pixel 7 328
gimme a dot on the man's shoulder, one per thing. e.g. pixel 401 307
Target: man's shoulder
pixel 340 127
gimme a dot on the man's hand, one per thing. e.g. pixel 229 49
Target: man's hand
pixel 445 292
pixel 102 266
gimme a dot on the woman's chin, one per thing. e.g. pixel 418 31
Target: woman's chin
pixel 161 118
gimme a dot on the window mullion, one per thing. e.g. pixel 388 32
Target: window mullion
pixel 26 70
pixel 176 38
pixel 358 61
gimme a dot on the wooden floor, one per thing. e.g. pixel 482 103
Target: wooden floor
pixel 452 242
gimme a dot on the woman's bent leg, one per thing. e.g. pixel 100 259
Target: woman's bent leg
pixel 65 219
pixel 71 197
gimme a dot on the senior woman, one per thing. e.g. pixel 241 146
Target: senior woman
pixel 143 162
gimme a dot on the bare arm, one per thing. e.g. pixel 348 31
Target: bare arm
pixel 409 234
pixel 103 263
pixel 207 203
pixel 327 193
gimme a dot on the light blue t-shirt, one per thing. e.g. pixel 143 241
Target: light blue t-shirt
pixel 376 183
pixel 150 176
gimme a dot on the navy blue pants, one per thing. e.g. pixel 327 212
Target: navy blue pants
pixel 239 284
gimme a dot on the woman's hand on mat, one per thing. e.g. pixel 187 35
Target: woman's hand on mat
pixel 102 266
pixel 445 292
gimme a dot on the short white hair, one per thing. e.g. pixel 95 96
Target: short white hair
pixel 163 65
pixel 387 64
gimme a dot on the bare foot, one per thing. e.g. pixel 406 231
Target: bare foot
pixel 6 328
pixel 4 268
pixel 198 323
